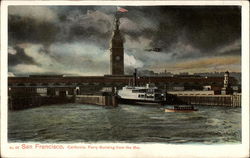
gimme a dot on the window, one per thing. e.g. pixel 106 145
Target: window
pixel 41 90
pixel 135 91
pixel 157 91
pixel 141 96
pixel 142 90
pixel 32 84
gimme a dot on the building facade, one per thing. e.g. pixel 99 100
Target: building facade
pixel 63 85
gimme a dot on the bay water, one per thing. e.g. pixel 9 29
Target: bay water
pixel 78 123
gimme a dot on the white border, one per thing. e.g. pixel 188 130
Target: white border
pixel 127 3
pixel 245 76
pixel 147 150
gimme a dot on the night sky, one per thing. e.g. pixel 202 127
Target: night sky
pixel 75 40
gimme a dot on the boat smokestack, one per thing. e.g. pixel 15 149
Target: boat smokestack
pixel 135 74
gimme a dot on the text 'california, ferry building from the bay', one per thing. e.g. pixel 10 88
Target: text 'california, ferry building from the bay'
pixel 54 85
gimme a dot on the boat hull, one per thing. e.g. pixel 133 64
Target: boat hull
pixel 181 108
pixel 140 102
pixel 174 110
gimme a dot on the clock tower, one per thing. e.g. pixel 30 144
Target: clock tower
pixel 117 50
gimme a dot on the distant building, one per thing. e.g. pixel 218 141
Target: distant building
pixel 226 87
pixel 236 75
pixel 184 73
pixel 192 93
pixel 178 88
pixel 165 73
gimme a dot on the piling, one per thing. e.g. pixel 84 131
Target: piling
pixel 24 102
pixel 213 100
pixel 97 100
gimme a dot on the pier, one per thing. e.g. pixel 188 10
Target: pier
pixel 25 96
pixel 97 100
pixel 24 102
pixel 19 103
pixel 213 100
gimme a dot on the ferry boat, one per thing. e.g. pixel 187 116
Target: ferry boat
pixel 181 108
pixel 148 94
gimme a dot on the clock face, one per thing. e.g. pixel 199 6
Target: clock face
pixel 117 58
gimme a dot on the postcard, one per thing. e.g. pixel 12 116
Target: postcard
pixel 125 79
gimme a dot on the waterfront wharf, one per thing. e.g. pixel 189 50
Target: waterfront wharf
pixel 24 102
pixel 213 100
pixel 104 100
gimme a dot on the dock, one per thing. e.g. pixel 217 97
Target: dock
pixel 213 100
pixel 25 102
pixel 97 100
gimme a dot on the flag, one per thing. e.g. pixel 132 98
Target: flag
pixel 119 9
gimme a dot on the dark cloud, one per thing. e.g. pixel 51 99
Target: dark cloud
pixel 179 32
pixel 20 57
pixel 204 27
pixel 24 29
pixel 230 52
pixel 211 27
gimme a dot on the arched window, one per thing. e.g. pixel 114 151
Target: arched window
pixel 20 84
pixel 33 84
pixel 56 84
pixel 79 84
pixel 44 84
